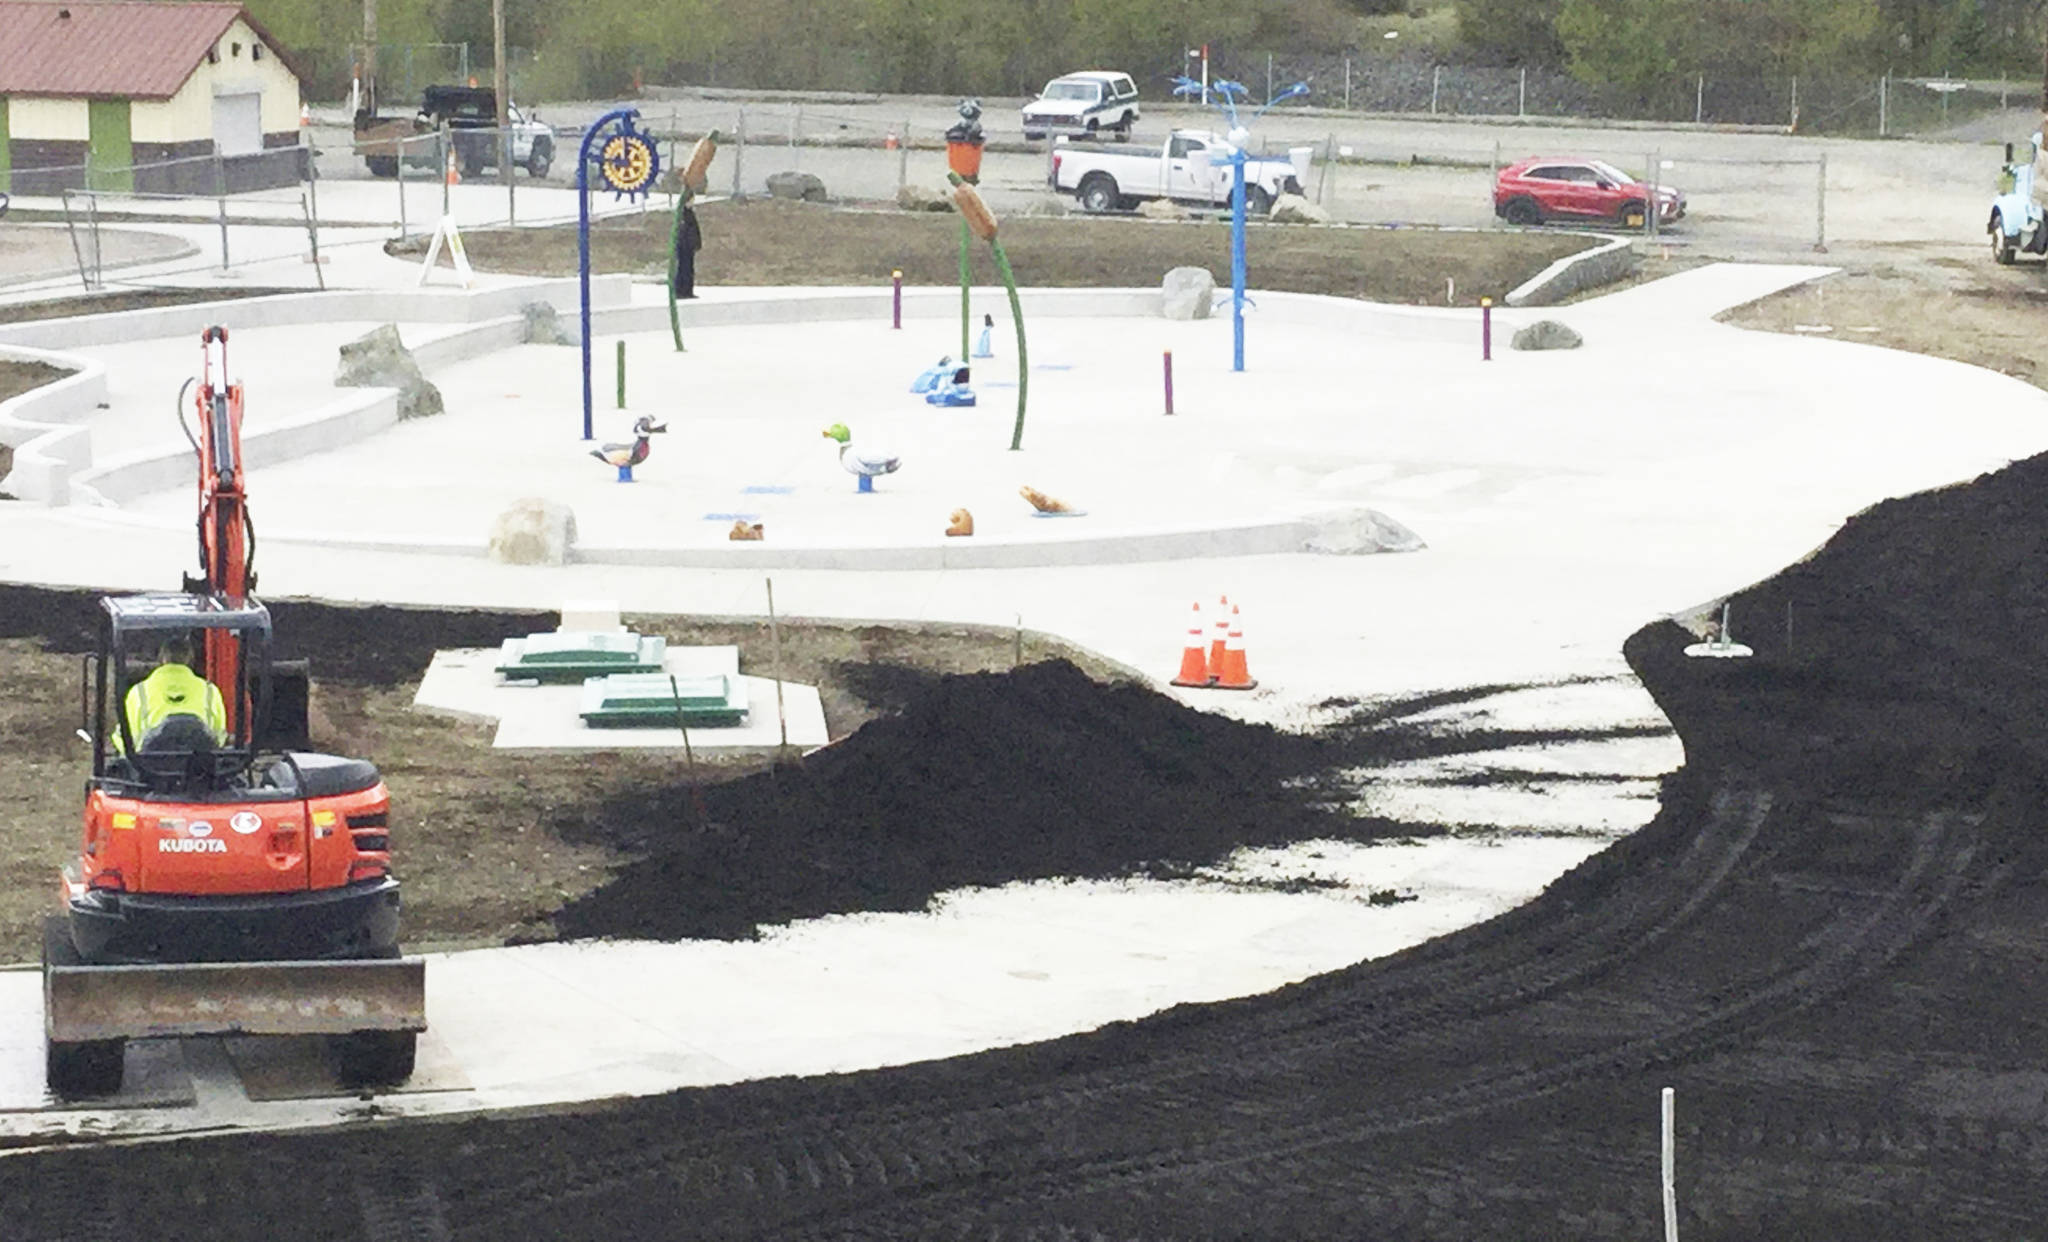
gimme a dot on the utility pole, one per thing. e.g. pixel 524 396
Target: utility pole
pixel 501 84
pixel 369 101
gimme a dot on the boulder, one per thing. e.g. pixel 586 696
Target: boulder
pixel 534 532
pixel 381 360
pixel 1547 334
pixel 1188 293
pixel 544 325
pixel 1162 209
pixel 1294 209
pixel 802 185
pixel 911 196
pixel 1358 532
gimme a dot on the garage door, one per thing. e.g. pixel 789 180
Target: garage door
pixel 238 123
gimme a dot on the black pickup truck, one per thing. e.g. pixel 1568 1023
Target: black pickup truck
pixel 471 116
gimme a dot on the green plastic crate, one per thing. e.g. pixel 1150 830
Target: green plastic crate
pixel 651 700
pixel 577 655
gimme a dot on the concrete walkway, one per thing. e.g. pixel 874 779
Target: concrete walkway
pixel 1565 500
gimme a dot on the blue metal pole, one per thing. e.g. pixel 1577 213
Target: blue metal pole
pixel 1237 261
pixel 583 240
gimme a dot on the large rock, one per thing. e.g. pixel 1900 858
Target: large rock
pixel 1547 334
pixel 1294 209
pixel 1359 532
pixel 1188 293
pixel 803 185
pixel 911 196
pixel 1162 209
pixel 381 360
pixel 544 325
pixel 534 532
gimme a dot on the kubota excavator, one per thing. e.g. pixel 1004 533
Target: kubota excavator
pixel 226 884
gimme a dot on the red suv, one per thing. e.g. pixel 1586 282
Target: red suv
pixel 1533 191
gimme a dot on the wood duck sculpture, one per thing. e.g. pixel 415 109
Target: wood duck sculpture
pixel 627 456
pixel 862 465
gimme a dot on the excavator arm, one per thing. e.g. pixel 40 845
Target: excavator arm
pixel 227 542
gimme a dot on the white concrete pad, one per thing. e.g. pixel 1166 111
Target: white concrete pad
pixel 1566 499
pixel 464 684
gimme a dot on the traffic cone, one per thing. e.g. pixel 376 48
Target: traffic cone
pixel 1234 673
pixel 1219 634
pixel 454 173
pixel 305 116
pixel 1194 658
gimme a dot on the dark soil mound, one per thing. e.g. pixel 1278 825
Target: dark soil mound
pixel 1831 943
pixel 971 779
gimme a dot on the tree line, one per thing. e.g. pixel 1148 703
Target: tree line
pixel 599 48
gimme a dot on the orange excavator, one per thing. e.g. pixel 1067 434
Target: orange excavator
pixel 227 883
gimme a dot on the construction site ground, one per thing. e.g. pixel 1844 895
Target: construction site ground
pixel 1827 939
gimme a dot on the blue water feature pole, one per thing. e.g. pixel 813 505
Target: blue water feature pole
pixel 1226 94
pixel 627 162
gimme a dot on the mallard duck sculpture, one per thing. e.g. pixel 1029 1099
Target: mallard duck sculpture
pixel 627 456
pixel 862 465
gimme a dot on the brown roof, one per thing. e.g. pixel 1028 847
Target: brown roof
pixel 110 48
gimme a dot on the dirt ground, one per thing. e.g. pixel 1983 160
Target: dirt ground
pixel 777 242
pixel 1830 941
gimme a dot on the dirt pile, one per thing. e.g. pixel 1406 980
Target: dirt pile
pixel 967 779
pixel 1830 942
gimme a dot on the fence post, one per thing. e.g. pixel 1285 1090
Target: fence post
pixel 739 149
pixel 1347 83
pixel 1494 176
pixel 1650 207
pixel 220 190
pixel 313 215
pixel 903 155
pixel 796 120
pixel 1436 80
pixel 1329 159
pixel 401 189
pixel 1883 87
pixel 1269 75
pixel 1522 94
pixel 1699 101
pixel 1820 219
pixel 1793 128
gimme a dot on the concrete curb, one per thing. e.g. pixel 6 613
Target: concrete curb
pixel 43 428
pixel 1601 265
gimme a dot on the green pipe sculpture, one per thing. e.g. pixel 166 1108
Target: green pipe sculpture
pixel 683 237
pixel 964 143
pixel 976 215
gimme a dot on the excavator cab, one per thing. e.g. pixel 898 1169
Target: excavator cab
pixel 181 754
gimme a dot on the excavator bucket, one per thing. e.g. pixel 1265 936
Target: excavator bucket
pixel 83 1003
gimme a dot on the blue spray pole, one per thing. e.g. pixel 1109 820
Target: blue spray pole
pixel 1227 94
pixel 583 240
pixel 1237 260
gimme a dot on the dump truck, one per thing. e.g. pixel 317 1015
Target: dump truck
pixel 229 879
pixel 466 117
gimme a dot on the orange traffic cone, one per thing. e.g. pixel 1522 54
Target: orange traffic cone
pixel 1233 673
pixel 305 116
pixel 1194 658
pixel 454 173
pixel 1219 633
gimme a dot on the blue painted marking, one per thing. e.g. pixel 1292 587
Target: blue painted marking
pixel 766 489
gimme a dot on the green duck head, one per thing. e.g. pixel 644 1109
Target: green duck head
pixel 838 431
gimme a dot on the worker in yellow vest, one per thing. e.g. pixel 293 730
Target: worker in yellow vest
pixel 173 689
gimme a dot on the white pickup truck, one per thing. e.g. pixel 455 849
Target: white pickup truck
pixel 1183 169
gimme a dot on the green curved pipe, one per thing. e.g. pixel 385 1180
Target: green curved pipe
pixel 675 259
pixel 1023 359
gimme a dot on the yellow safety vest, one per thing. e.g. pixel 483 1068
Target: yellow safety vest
pixel 174 690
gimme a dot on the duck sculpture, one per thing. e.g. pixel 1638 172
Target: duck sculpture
pixel 862 465
pixel 627 456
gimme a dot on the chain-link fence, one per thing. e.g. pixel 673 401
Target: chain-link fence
pixel 1827 103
